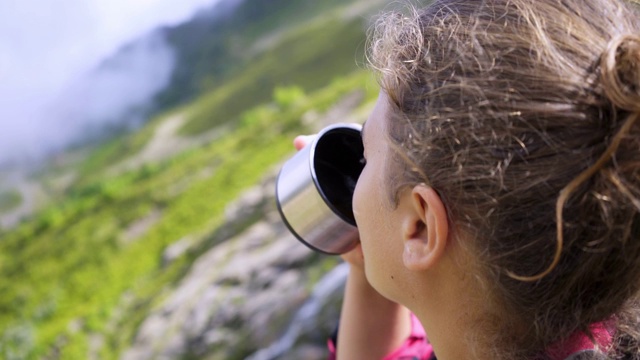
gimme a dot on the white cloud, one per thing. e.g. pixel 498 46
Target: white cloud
pixel 48 47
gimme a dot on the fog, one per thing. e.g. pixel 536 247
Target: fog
pixel 54 82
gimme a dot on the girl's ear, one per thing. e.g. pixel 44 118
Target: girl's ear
pixel 425 228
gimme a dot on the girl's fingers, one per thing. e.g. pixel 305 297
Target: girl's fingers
pixel 302 140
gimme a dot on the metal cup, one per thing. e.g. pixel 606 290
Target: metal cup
pixel 315 187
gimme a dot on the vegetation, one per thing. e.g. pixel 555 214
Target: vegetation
pixel 292 62
pixel 217 46
pixel 66 271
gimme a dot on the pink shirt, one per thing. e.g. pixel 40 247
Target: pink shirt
pixel 417 346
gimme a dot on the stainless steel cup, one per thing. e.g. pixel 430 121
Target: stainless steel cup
pixel 315 187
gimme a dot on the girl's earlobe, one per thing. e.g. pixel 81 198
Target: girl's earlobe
pixel 425 229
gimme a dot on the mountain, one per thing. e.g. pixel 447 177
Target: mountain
pixel 164 242
pixel 221 41
pixel 259 46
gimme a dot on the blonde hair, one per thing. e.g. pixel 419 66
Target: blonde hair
pixel 524 116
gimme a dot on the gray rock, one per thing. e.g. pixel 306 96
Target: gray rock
pixel 249 295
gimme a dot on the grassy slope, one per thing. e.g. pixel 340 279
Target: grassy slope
pixel 304 58
pixel 213 50
pixel 64 272
pixel 70 266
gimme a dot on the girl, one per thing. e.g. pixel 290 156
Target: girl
pixel 500 201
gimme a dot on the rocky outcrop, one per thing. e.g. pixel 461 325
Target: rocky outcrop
pixel 256 293
pixel 249 296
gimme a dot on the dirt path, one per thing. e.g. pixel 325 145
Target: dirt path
pixel 30 192
pixel 165 143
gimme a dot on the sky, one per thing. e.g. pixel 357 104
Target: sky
pixel 49 50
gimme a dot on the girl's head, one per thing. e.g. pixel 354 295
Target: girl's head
pixel 524 116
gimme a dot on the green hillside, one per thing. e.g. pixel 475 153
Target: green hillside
pixel 213 49
pixel 307 58
pixel 66 271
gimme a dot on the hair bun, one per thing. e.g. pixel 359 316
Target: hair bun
pixel 620 76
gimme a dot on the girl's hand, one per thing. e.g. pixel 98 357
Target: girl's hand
pixel 302 140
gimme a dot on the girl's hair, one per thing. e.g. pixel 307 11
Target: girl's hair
pixel 524 115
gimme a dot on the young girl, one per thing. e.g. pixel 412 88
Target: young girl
pixel 500 201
